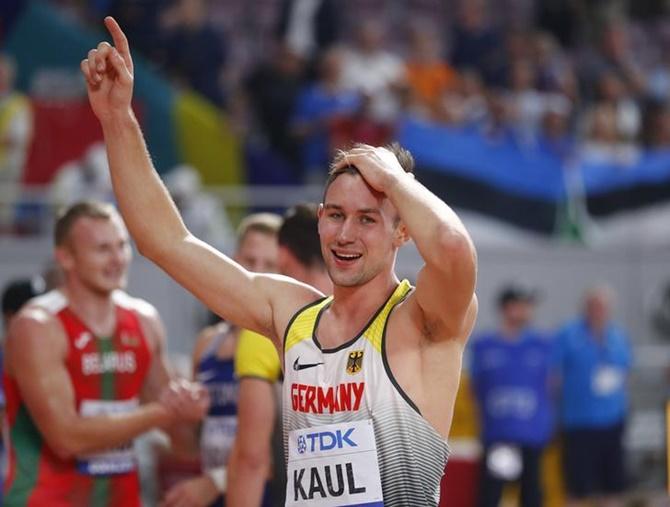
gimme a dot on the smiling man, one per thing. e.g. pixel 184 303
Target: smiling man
pixel 86 373
pixel 366 422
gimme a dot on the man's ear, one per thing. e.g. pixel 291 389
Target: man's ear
pixel 401 235
pixel 64 257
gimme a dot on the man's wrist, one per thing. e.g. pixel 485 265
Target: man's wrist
pixel 397 181
pixel 118 121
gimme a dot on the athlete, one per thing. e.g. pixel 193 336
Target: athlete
pixel 371 373
pixel 214 363
pixel 258 368
pixel 86 373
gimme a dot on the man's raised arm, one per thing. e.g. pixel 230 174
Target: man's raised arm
pixel 146 206
pixel 445 286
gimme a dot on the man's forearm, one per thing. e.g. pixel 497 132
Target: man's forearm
pixel 430 222
pixel 246 479
pixel 145 204
pixel 91 434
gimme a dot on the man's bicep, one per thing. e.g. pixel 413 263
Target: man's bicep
pixel 38 365
pixel 225 287
pixel 447 299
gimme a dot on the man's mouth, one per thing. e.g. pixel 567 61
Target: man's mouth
pixel 346 257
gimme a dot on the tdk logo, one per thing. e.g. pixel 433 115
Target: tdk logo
pixel 325 441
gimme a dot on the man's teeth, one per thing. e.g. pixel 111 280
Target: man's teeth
pixel 348 257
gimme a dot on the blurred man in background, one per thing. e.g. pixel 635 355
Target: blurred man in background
pixel 246 417
pixel 300 250
pixel 86 373
pixel 594 358
pixel 258 368
pixel 510 374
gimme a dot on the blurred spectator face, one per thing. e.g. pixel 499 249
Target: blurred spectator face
pixel 331 66
pixel 601 125
pixel 597 307
pixel 424 43
pixel 517 314
pixel 555 124
pixel 370 36
pixel 522 75
pixel 544 47
pixel 614 42
pixel 611 88
pixel 192 12
pixel 472 14
pixel 258 252
pixel 288 62
pixel 517 45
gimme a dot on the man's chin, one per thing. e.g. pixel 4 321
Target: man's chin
pixel 346 280
pixel 105 289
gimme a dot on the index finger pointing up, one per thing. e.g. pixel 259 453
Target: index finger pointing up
pixel 120 41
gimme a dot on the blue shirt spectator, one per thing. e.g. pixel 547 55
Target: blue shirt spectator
pixel 594 367
pixel 594 358
pixel 511 380
pixel 318 106
pixel 510 373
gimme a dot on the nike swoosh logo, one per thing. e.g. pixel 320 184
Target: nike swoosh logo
pixel 297 366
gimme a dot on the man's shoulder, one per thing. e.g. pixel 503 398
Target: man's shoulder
pixel 34 329
pixel 51 302
pixel 140 306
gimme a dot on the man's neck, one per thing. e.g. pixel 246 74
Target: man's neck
pixel 319 279
pixel 362 300
pixel 95 309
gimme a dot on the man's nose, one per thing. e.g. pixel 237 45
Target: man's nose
pixel 347 232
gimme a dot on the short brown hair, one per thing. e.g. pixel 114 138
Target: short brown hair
pixel 265 223
pixel 69 216
pixel 300 234
pixel 403 155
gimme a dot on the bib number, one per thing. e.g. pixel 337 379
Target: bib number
pixel 119 460
pixel 334 465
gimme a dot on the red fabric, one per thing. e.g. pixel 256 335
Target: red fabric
pixel 63 132
pixel 459 483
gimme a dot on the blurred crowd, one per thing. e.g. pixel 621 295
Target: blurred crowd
pixel 302 78
pixel 586 82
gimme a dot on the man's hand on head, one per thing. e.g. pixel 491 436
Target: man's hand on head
pixel 379 167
